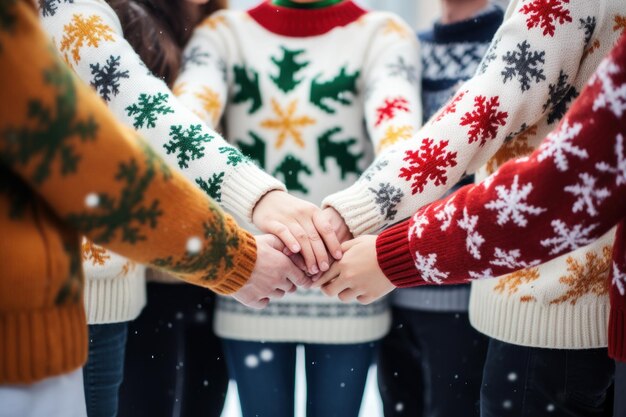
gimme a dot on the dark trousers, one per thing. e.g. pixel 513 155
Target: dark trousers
pixel 523 381
pixel 620 389
pixel 104 370
pixel 430 365
pixel 174 364
pixel 265 376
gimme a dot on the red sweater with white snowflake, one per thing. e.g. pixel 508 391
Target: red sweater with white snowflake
pixel 566 194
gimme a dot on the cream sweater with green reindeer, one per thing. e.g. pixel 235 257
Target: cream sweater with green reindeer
pixel 310 94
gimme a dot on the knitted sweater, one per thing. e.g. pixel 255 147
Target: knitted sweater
pixel 566 194
pixel 451 54
pixel 67 167
pixel 309 94
pixel 89 36
pixel 540 59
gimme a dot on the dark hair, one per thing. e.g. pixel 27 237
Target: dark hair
pixel 158 30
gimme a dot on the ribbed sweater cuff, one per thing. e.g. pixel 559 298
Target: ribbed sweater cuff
pixel 244 262
pixel 116 299
pixel 358 209
pixel 245 188
pixel 394 256
pixel 617 334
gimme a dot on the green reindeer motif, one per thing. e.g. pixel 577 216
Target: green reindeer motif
pixel 248 88
pixel 287 69
pixel 336 89
pixel 340 151
pixel 290 168
pixel 255 151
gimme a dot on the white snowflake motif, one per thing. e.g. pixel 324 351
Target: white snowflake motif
pixel 611 96
pixel 620 167
pixel 445 215
pixel 587 193
pixel 511 204
pixel 417 228
pixel 619 279
pixel 474 240
pixel 427 269
pixel 510 259
pixel 484 274
pixel 568 239
pixel 558 144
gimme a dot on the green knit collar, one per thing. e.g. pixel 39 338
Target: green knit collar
pixel 316 5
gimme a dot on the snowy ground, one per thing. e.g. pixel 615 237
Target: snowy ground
pixel 371 406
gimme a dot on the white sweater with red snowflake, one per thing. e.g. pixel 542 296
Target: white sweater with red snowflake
pixel 540 59
pixel 89 36
pixel 565 195
pixel 310 94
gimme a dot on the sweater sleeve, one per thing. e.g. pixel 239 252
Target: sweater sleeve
pixel 98 176
pixel 566 195
pixel 509 90
pixel 89 37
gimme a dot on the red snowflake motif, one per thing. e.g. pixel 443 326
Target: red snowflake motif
pixel 389 108
pixel 484 119
pixel 451 106
pixel 544 14
pixel 428 163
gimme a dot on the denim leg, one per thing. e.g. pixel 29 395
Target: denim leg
pixel 104 371
pixel 336 376
pixel 265 376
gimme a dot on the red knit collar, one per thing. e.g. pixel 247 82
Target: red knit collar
pixel 305 22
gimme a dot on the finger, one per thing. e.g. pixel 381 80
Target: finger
pixel 325 229
pixel 366 299
pixel 327 276
pixel 335 287
pixel 287 252
pixel 286 236
pixel 345 246
pixel 284 286
pixel 296 276
pixel 259 304
pixel 347 295
pixel 277 294
pixel 293 288
pixel 298 261
pixel 319 249
pixel 306 249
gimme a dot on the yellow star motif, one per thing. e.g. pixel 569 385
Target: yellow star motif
pixel 394 134
pixel 395 27
pixel 287 123
pixel 213 22
pixel 210 103
pixel 179 89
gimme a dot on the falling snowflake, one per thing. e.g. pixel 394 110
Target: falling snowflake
pixel 451 106
pixel 511 259
pixel 474 240
pixel 587 193
pixel 148 108
pixel 188 143
pixel 512 377
pixel 568 239
pixel 194 56
pixel 619 279
pixel 620 167
pixel 559 143
pixel 545 13
pixel 484 274
pixel 426 267
pixel 507 404
pixel 559 96
pixel 417 224
pixel 511 203
pixel 445 214
pixel 403 69
pixel 524 65
pixel 550 408
pixel 484 119
pixel 92 200
pixel 194 245
pixel 251 361
pixel 389 109
pixel 266 355
pixel 611 96
pixel 106 80
pixel 428 163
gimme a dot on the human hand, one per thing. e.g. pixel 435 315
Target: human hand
pixel 300 226
pixel 331 216
pixel 357 275
pixel 274 274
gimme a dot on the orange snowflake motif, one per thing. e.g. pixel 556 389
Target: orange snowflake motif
pixel 620 23
pixel 589 277
pixel 394 134
pixel 179 89
pixel 213 22
pixel 594 47
pixel 287 123
pixel 81 32
pixel 511 283
pixel 513 148
pixel 94 253
pixel 394 26
pixel 210 103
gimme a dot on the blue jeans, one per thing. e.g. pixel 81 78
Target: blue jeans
pixel 265 376
pixel 521 381
pixel 104 370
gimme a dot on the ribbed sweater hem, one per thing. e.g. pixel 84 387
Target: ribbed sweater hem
pixel 562 326
pixel 117 299
pixel 39 344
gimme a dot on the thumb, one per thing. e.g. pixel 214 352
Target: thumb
pixel 345 246
pixel 273 242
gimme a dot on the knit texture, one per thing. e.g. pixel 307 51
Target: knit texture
pixel 523 87
pixel 566 195
pixel 311 110
pixel 451 53
pixel 67 167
